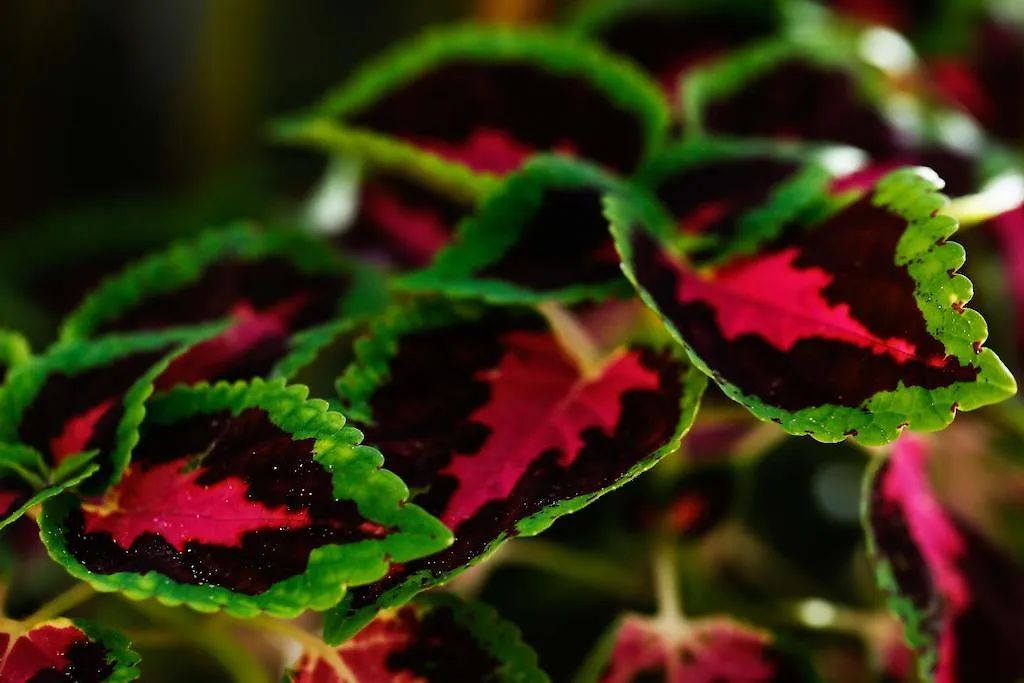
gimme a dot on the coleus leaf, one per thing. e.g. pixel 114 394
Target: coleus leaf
pixel 520 436
pixel 66 650
pixel 437 638
pixel 669 39
pixel 88 397
pixel 783 91
pixel 319 356
pixel 730 198
pixel 246 498
pixel 855 327
pixel 400 223
pixel 961 598
pixel 14 350
pixel 708 650
pixel 267 284
pixel 542 236
pixel 977 81
pixel 21 486
pixel 457 106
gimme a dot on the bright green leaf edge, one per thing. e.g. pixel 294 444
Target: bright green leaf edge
pixel 47 493
pixel 185 262
pixel 788 202
pixel 620 81
pixel 24 462
pixel 14 350
pixel 120 656
pixel 76 356
pixel 496 636
pixel 915 629
pixel 485 237
pixel 932 262
pixel 594 19
pixel 308 345
pixel 356 472
pixel 370 370
pixel 726 77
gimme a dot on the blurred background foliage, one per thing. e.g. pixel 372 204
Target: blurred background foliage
pixel 125 124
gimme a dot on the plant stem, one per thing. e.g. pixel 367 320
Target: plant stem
pixel 669 620
pixel 212 637
pixel 583 567
pixel 67 600
pixel 308 641
pixel 574 338
pixel 666 588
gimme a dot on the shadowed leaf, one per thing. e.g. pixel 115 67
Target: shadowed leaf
pixel 435 639
pixel 246 498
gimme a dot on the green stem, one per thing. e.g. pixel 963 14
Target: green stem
pixel 310 643
pixel 212 637
pixel 67 600
pixel 583 567
pixel 574 338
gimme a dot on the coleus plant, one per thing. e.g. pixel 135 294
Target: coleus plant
pixel 556 251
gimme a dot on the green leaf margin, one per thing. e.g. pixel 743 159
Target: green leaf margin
pixel 14 350
pixel 623 83
pixel 485 237
pixel 356 387
pixel 119 653
pixel 46 493
pixel 357 473
pixel 496 636
pixel 926 650
pixel 726 77
pixel 185 262
pixel 932 262
pixel 788 202
pixel 76 356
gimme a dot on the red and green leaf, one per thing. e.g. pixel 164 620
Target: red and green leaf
pixel 730 198
pixel 710 650
pixel 784 92
pixel 960 597
pixel 86 397
pixel 542 236
pixel 14 350
pixel 22 487
pixel 401 224
pixel 265 285
pixel 458 106
pixel 319 356
pixel 854 327
pixel 66 650
pixel 519 436
pixel 669 39
pixel 436 639
pixel 247 498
